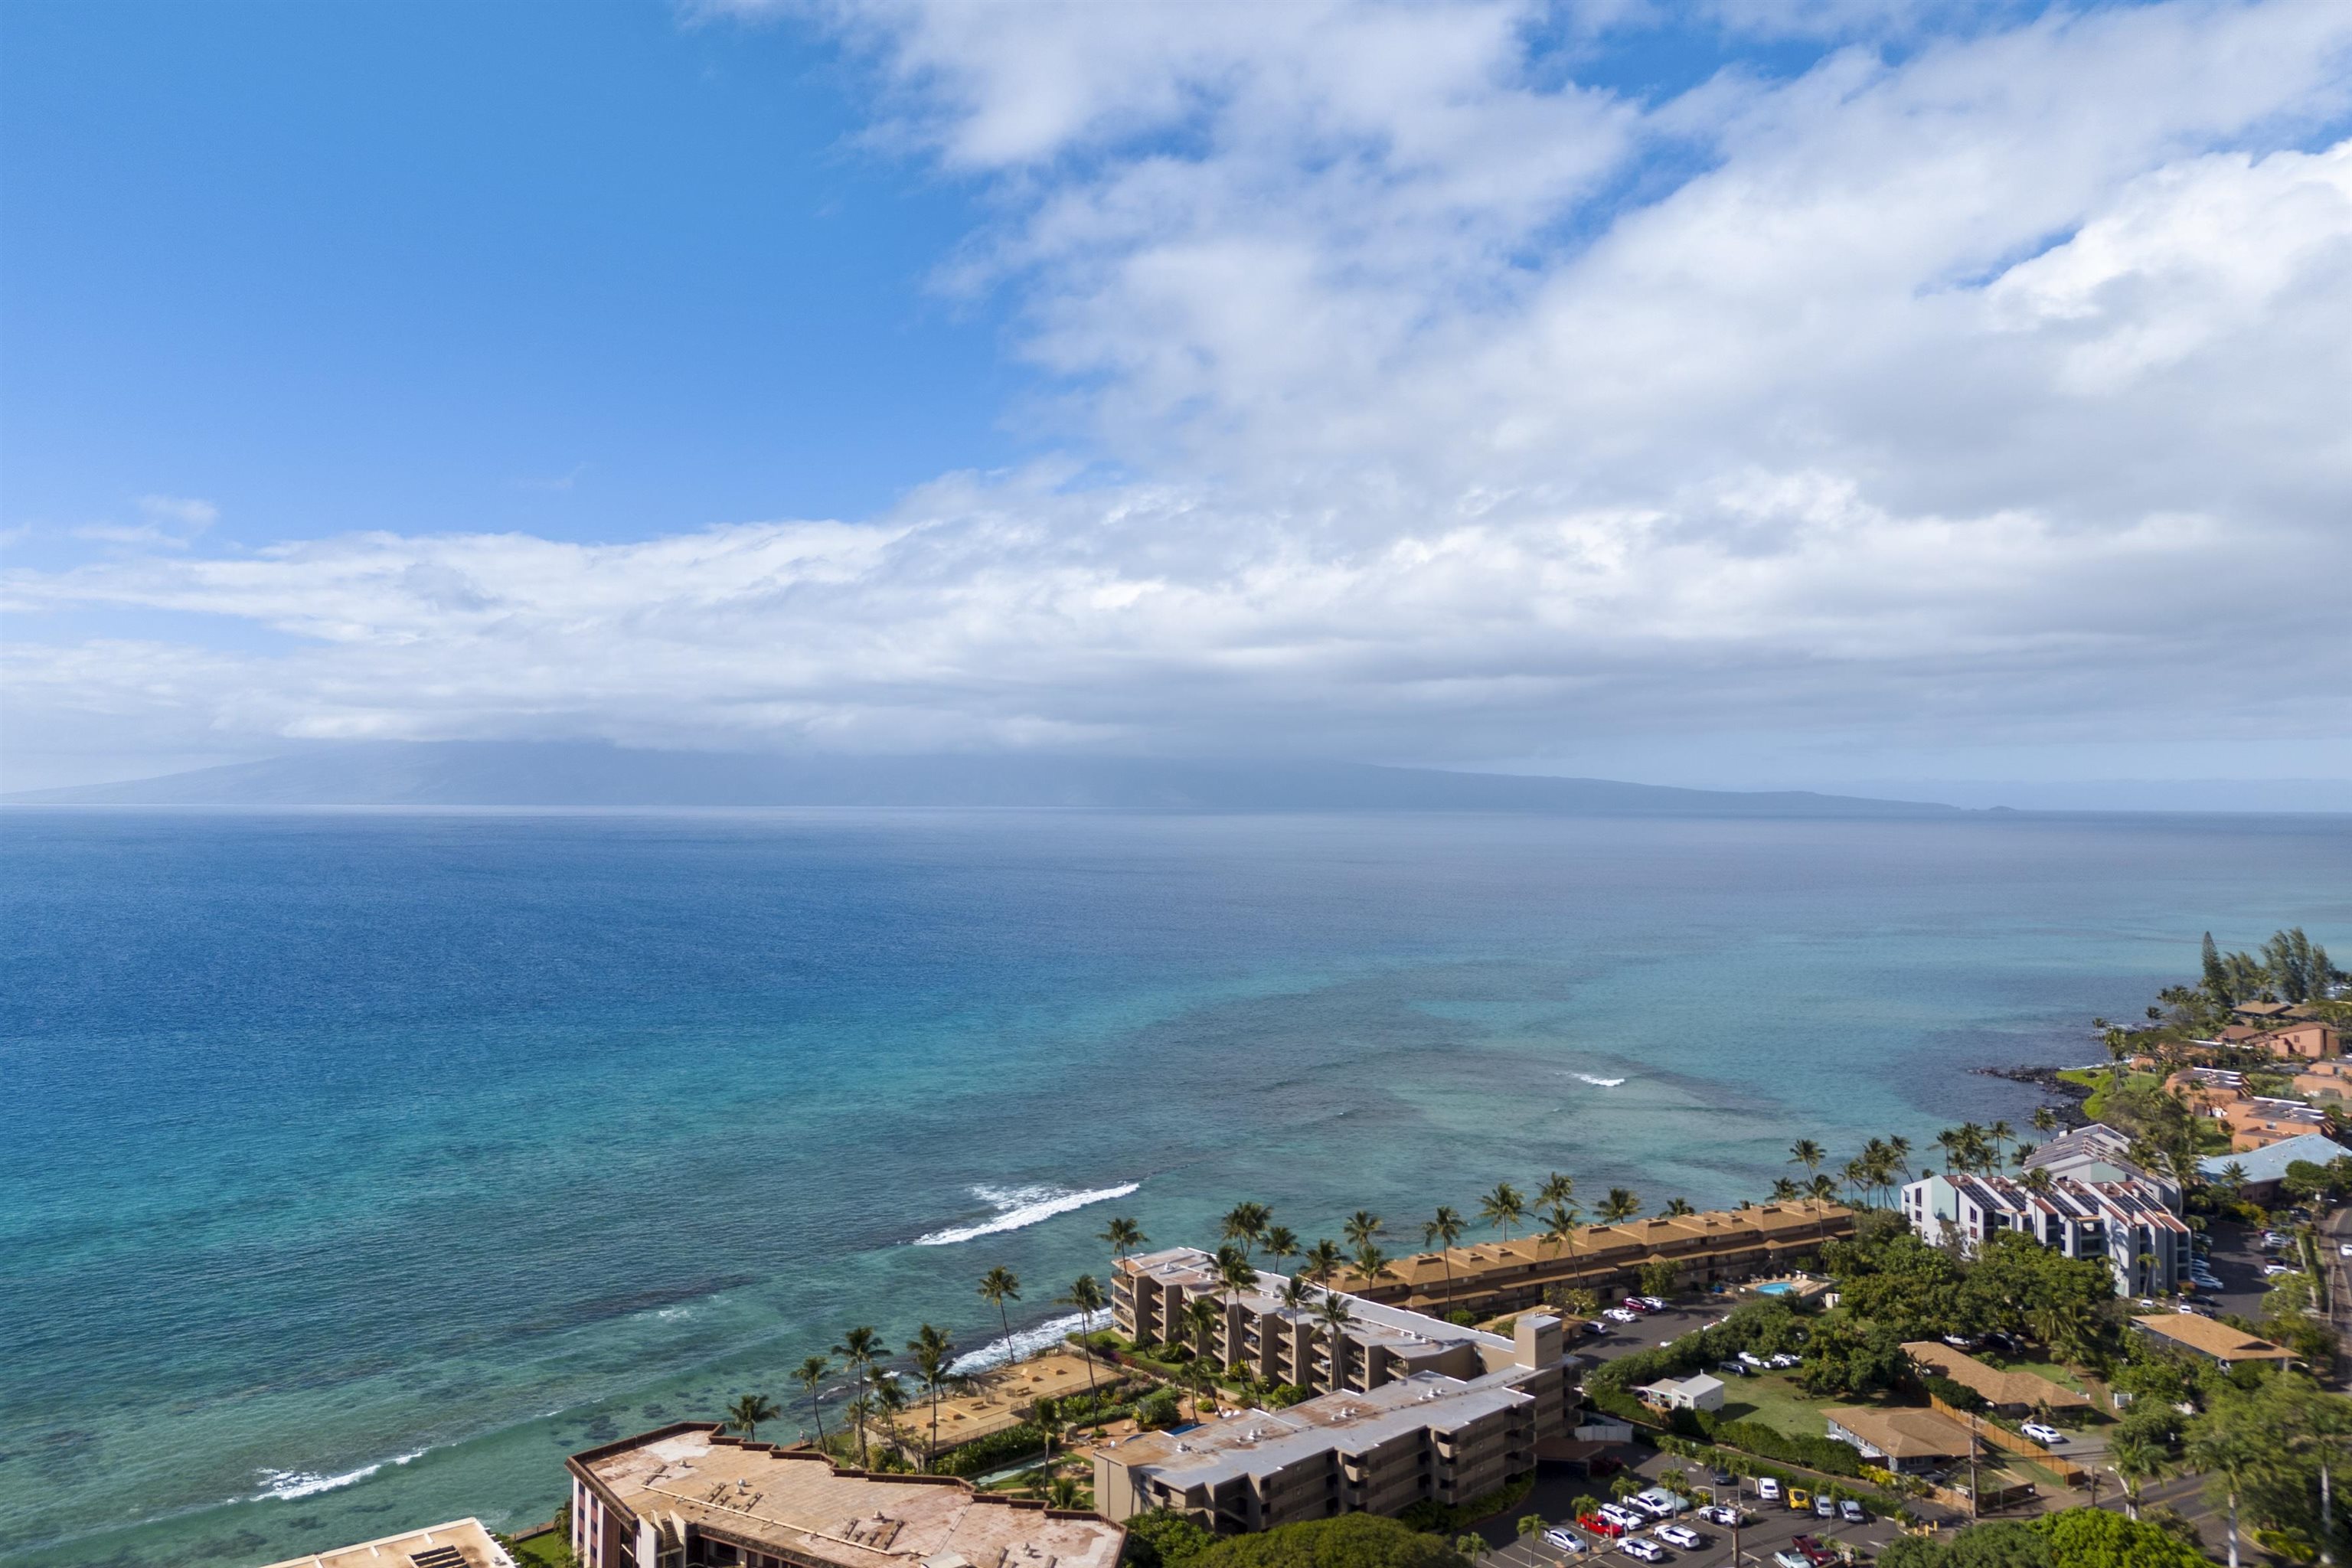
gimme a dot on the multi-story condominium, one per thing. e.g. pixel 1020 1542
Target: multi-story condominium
pixel 1497 1276
pixel 687 1495
pixel 1285 1344
pixel 460 1544
pixel 1408 1406
pixel 1425 1437
pixel 2082 1197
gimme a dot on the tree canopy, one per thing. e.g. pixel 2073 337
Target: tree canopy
pixel 1350 1540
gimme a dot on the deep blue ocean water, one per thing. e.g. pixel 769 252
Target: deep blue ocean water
pixel 354 1167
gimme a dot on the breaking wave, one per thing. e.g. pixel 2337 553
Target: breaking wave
pixel 1025 1343
pixel 1600 1082
pixel 1019 1206
pixel 286 1485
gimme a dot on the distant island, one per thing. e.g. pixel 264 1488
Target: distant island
pixel 597 775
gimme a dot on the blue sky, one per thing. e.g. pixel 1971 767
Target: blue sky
pixel 582 270
pixel 1820 392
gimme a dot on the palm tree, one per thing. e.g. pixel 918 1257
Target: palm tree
pixel 1822 1189
pixel 860 1348
pixel 1333 1310
pixel 2136 1460
pixel 1062 1492
pixel 1856 1175
pixel 1444 1230
pixel 1504 1207
pixel 1622 1203
pixel 1279 1243
pixel 1557 1189
pixel 1204 1319
pixel 934 1353
pixel 998 1285
pixel 1322 1260
pixel 1088 1298
pixel 1124 1237
pixel 2045 1120
pixel 749 1410
pixel 1246 1223
pixel 1362 1228
pixel 1898 1155
pixel 860 1410
pixel 2226 1450
pixel 1675 1208
pixel 889 1400
pixel 1372 1266
pixel 1783 1190
pixel 1999 1133
pixel 1561 1230
pixel 1951 1143
pixel 810 1374
pixel 1806 1153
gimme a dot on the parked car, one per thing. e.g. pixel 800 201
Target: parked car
pixel 1960 1342
pixel 1635 1304
pixel 1768 1488
pixel 1647 1550
pixel 1792 1558
pixel 1723 1478
pixel 1801 1500
pixel 1607 1529
pixel 1559 1538
pixel 1629 1517
pixel 2344 1250
pixel 1655 1303
pixel 1815 1553
pixel 2047 1435
pixel 1852 1512
pixel 1658 1502
pixel 2272 1271
pixel 1750 1357
pixel 1681 1535
pixel 1724 1514
pixel 1620 1315
pixel 1783 1361
pixel 1825 1508
pixel 1602 1464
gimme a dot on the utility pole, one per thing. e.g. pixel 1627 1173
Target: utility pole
pixel 1974 1512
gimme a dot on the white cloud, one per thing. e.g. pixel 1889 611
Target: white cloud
pixel 1986 396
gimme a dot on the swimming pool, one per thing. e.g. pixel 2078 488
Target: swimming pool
pixel 1778 1288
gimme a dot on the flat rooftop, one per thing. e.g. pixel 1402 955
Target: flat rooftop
pixel 1258 1442
pixel 1426 1272
pixel 1373 1322
pixel 460 1544
pixel 798 1502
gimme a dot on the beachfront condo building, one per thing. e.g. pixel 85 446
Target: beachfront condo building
pixel 1407 1408
pixel 1715 1248
pixel 460 1544
pixel 689 1496
pixel 2083 1196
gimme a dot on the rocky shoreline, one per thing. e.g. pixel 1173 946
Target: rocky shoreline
pixel 2066 1096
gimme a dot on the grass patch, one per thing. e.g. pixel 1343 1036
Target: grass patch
pixel 1778 1403
pixel 548 1551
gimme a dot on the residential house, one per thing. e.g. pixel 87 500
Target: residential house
pixel 2301 1042
pixel 2263 1170
pixel 1698 1392
pixel 2216 1341
pixel 2010 1393
pixel 1900 1438
pixel 2325 1080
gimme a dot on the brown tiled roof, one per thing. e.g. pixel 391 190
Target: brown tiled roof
pixel 1997 1386
pixel 2210 1337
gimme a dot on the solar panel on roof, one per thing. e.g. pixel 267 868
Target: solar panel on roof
pixel 438 1557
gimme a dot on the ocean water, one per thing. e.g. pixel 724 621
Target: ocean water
pixel 354 1167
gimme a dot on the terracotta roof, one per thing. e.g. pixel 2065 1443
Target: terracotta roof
pixel 1903 1434
pixel 1997 1386
pixel 2209 1337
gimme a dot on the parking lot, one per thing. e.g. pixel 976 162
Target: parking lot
pixel 1770 1528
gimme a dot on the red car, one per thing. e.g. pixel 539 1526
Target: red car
pixel 1635 1304
pixel 1607 1528
pixel 1602 1465
pixel 1815 1553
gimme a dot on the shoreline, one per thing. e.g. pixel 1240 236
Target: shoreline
pixel 2067 1098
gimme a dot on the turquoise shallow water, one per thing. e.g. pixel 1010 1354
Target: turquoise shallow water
pixel 355 1167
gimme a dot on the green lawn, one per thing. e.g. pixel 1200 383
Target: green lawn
pixel 547 1550
pixel 1774 1401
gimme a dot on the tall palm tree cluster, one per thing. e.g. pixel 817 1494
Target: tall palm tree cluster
pixel 880 1394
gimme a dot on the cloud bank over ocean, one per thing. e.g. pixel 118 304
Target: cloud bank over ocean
pixel 1435 391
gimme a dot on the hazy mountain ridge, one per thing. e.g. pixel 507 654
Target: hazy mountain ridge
pixel 582 774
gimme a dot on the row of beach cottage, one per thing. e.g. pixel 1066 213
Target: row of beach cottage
pixel 1404 1405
